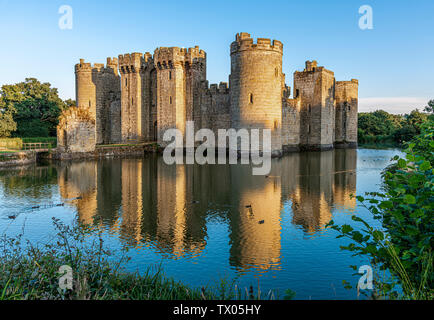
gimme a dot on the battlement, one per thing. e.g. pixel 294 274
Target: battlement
pixel 112 62
pixel 221 88
pixel 312 67
pixel 130 62
pixel 347 83
pixel 243 42
pixel 83 66
pixel 169 56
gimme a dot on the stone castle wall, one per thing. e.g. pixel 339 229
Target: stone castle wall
pixel 76 131
pixel 137 97
pixel 346 123
pixel 97 86
pixel 315 88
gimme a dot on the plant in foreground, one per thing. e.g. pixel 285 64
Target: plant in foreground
pixel 28 271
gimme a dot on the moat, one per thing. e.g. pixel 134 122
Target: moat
pixel 212 222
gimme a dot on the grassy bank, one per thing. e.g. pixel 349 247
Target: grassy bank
pixel 32 273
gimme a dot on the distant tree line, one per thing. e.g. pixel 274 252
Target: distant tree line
pixel 30 109
pixel 382 127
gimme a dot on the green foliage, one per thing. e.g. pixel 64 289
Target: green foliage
pixel 69 103
pixel 7 123
pixel 382 127
pixel 430 107
pixel 35 108
pixel 405 209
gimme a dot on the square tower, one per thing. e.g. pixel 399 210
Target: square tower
pixel 132 108
pixel 347 97
pixel 315 87
pixel 180 72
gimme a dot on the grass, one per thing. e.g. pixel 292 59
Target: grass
pixel 29 272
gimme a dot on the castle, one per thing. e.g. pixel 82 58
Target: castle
pixel 136 97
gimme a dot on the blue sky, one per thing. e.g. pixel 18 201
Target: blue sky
pixel 394 62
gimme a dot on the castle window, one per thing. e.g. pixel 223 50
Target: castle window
pixel 276 124
pixel 170 100
pixel 170 75
pixel 251 98
pixel 308 128
pixel 90 103
pixel 132 100
pixel 126 82
pixel 276 72
pixel 297 93
pixel 310 109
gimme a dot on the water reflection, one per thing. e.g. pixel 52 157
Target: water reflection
pixel 148 203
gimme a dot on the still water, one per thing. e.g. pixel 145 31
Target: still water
pixel 211 222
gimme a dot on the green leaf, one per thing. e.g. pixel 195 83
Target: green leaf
pixel 346 228
pixel 425 166
pixel 409 199
pixel 378 235
pixel 402 163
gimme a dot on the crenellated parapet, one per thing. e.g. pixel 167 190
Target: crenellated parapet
pixel 168 57
pixel 244 42
pixel 130 62
pixel 86 67
pixel 312 67
pixel 221 88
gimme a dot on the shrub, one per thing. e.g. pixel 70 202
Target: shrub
pixel 405 209
pixel 11 143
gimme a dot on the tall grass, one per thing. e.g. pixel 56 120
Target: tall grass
pixel 30 272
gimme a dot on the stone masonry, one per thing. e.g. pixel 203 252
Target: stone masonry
pixel 136 97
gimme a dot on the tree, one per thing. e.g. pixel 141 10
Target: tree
pixel 36 106
pixel 69 103
pixel 415 119
pixel 430 107
pixel 7 124
pixel 379 123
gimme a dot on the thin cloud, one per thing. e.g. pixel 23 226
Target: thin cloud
pixel 395 105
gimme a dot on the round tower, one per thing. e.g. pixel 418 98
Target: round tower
pixel 256 84
pixel 85 89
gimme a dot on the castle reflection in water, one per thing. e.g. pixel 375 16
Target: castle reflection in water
pixel 148 203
